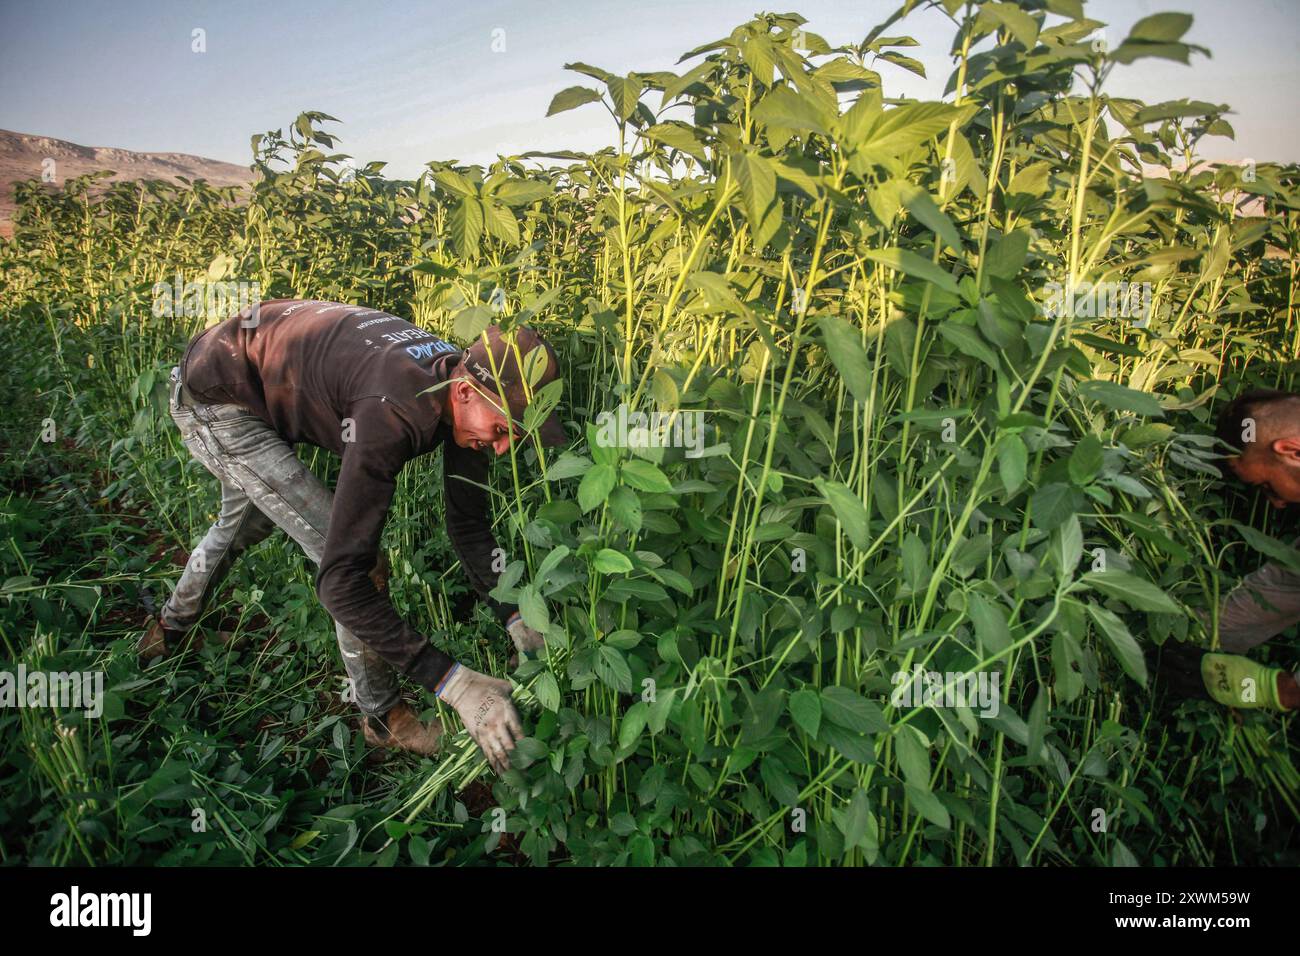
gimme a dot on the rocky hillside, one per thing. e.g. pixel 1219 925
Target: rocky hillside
pixel 24 156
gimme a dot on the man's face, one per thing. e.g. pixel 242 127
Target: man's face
pixel 477 423
pixel 1275 471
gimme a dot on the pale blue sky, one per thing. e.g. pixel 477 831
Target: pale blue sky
pixel 418 81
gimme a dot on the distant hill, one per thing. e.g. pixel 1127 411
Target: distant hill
pixel 23 155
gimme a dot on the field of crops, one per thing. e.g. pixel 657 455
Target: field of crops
pixel 956 364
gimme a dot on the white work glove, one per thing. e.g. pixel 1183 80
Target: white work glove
pixel 527 641
pixel 485 707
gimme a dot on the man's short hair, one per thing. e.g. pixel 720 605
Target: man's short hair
pixel 1269 409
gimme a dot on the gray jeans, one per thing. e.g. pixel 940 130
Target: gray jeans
pixel 263 486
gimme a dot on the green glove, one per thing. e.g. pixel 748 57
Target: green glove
pixel 1237 681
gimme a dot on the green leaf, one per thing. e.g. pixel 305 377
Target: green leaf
pixel 843 617
pixel 779 781
pixel 911 64
pixel 916 564
pixel 761 717
pixel 609 561
pixel 923 208
pixel 905 127
pixel 547 691
pixel 663 389
pixel 1019 24
pixel 1052 504
pixel 1013 460
pixel 675 580
pixel 634 722
pixel 568 465
pixel 1121 642
pixel 848 508
pixel 1283 554
pixel 1135 50
pixel 612 669
pixel 1068 549
pixel 757 179
pixel 1007 257
pixel 1160 28
pixel 928 805
pixel 806 709
pixel 1038 727
pixel 844 347
pixel 1139 594
pixel 909 263
pixel 659 710
pixel 717 292
pixel 453 182
pixel 856 747
pixel 640 851
pixel 853 819
pixel 758 55
pixel 596 485
pixel 625 91
pixel 543 402
pixel 522 192
pixel 550 562
pixel 990 622
pixel 969 342
pixel 972 554
pixel 1086 460
pixel 782 106
pixel 913 758
pixel 466 226
pixel 469 323
pixel 624 589
pixel 969 171
pixel 677 135
pixel 572 97
pixel 646 476
pixel 625 508
pixel 1216 262
pixel 586 69
pixel 848 709
pixel 1065 656
pixel 1121 398
pixel 800 177
pixel 532 608
pixel 1030 181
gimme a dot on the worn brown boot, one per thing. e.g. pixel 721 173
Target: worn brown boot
pixel 400 729
pixel 159 641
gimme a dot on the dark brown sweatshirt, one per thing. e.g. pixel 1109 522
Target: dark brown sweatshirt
pixel 349 379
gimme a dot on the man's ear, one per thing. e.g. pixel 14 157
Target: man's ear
pixel 1288 450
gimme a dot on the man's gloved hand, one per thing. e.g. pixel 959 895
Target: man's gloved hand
pixel 1228 679
pixel 527 641
pixel 489 715
pixel 1237 681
